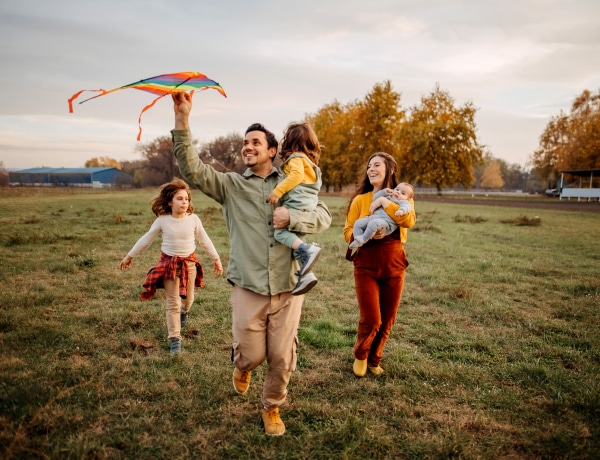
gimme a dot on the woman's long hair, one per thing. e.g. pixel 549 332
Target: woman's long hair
pixel 166 192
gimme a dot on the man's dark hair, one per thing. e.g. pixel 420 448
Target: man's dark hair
pixel 271 139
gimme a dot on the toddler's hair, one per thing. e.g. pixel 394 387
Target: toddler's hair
pixel 301 138
pixel 166 192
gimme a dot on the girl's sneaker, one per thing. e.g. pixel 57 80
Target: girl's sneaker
pixel 175 346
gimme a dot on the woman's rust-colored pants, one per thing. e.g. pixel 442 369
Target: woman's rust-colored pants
pixel 379 268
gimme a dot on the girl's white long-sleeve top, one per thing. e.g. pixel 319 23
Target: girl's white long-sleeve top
pixel 179 236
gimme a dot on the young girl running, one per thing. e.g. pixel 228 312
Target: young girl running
pixel 178 265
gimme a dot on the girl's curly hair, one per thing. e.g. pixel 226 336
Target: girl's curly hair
pixel 166 192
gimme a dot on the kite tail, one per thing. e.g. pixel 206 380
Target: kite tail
pixel 139 136
pixel 76 95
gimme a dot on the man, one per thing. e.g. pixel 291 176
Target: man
pixel 265 314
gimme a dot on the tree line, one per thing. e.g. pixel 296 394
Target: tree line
pixel 434 142
pixel 571 141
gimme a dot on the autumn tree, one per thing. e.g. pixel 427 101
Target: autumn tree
pixel 534 183
pixel 480 167
pixel 102 162
pixel 351 133
pixel 552 148
pixel 160 165
pixel 492 177
pixel 514 175
pixel 3 175
pixel 332 123
pixel 570 141
pixel 377 122
pixel 585 132
pixel 439 142
pixel 136 170
pixel 224 153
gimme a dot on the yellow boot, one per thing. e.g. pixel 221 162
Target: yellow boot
pixel 360 367
pixel 241 380
pixel 273 424
pixel 377 370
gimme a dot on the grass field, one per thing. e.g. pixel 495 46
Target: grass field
pixel 495 353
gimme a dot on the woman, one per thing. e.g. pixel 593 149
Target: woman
pixel 379 265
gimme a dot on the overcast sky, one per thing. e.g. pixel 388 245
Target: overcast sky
pixel 520 62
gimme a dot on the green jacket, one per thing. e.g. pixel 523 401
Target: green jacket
pixel 256 261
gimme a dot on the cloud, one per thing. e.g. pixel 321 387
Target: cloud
pixel 519 62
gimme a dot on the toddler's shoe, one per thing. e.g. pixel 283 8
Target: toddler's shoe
pixel 306 255
pixel 305 283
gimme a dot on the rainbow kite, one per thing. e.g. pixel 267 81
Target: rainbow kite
pixel 162 85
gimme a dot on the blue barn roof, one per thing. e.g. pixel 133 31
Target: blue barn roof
pixel 63 170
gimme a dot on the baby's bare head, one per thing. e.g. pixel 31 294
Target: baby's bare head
pixel 404 191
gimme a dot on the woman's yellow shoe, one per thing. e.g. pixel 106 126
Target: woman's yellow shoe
pixel 360 367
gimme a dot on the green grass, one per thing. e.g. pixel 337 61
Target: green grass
pixel 495 352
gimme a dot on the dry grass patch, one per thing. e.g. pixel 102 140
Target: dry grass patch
pixel 495 352
pixel 469 219
pixel 524 221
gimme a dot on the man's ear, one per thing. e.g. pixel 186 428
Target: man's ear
pixel 273 152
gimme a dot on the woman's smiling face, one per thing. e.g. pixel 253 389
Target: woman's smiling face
pixel 377 172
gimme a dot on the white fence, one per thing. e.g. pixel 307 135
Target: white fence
pixel 579 193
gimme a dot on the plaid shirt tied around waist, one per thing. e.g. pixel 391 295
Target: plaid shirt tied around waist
pixel 167 269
